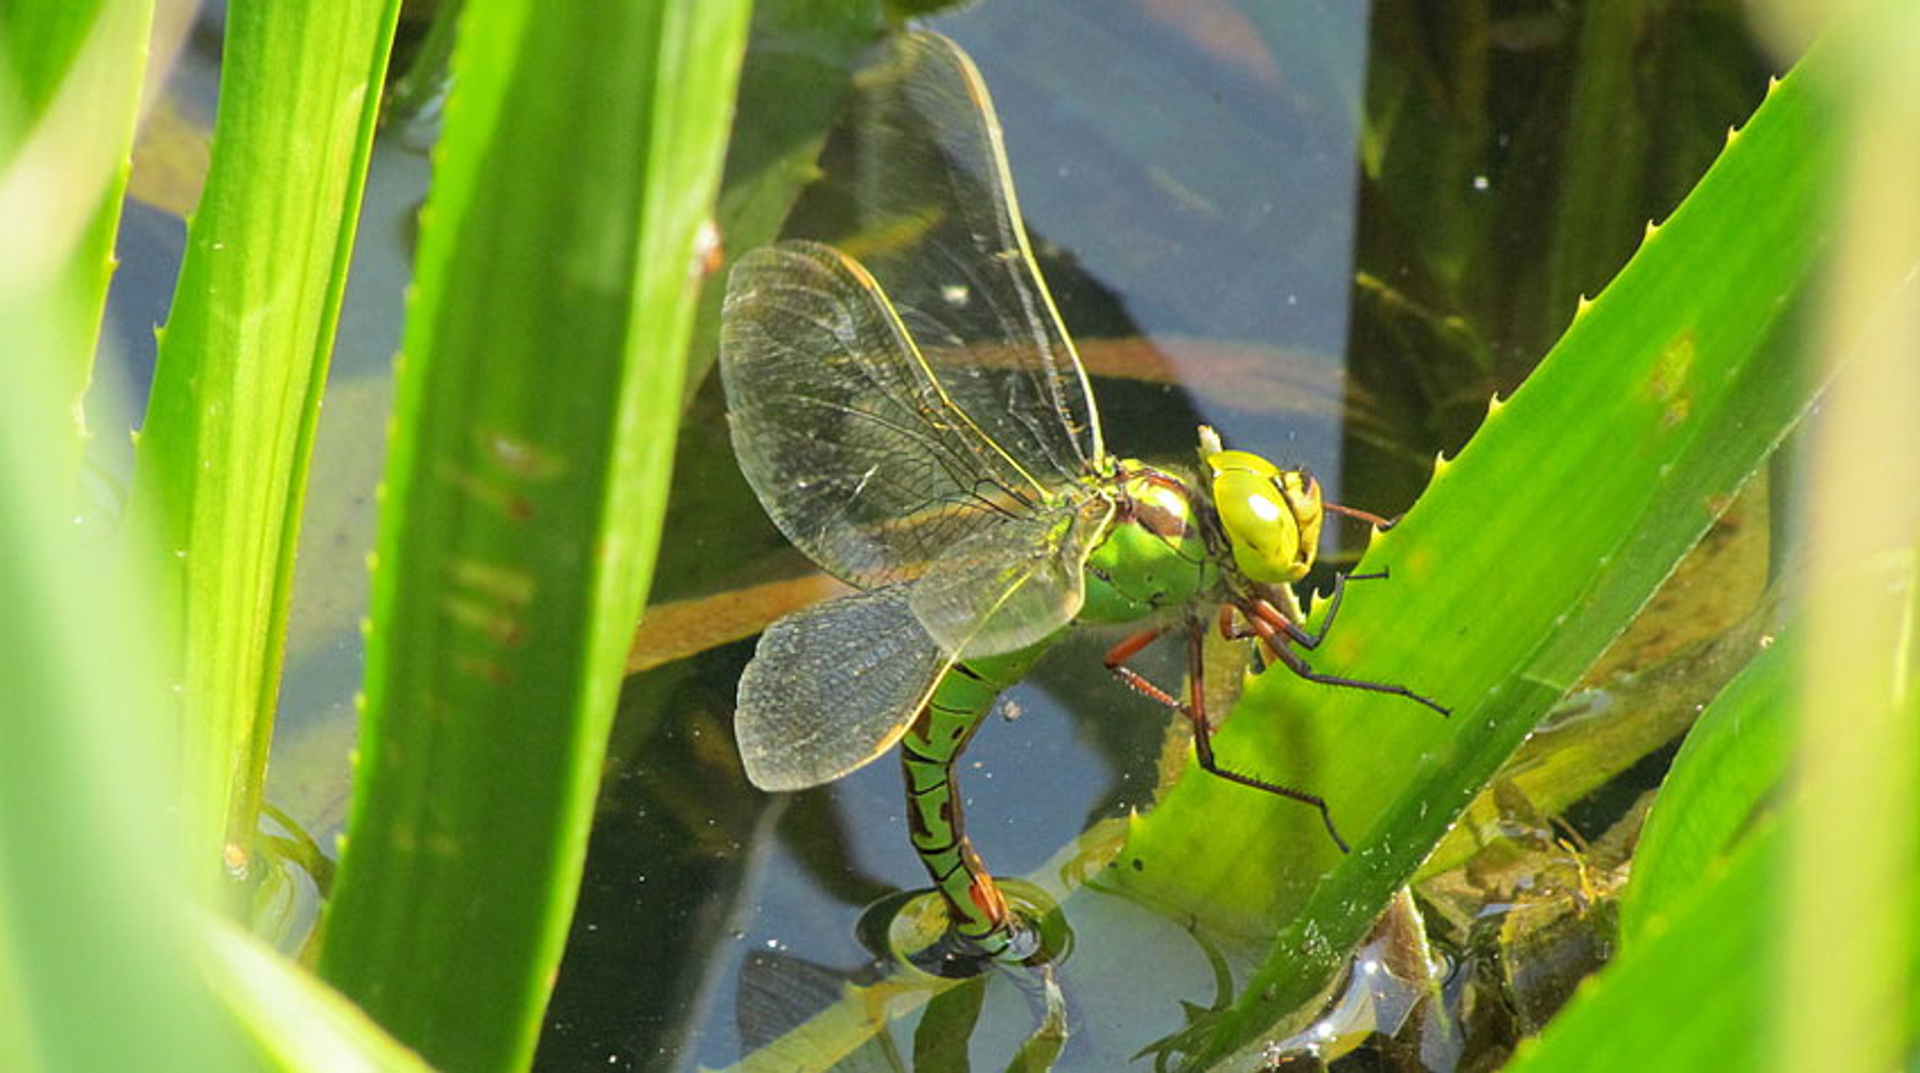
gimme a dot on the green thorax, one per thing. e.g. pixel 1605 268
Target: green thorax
pixel 1156 553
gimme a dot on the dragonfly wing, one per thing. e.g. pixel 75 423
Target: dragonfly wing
pixel 933 216
pixel 1007 587
pixel 832 687
pixel 840 426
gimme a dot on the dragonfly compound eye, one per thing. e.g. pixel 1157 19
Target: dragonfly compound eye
pixel 1272 516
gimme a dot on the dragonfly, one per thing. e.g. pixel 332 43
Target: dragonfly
pixel 918 423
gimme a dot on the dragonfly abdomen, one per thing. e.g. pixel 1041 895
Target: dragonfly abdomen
pixel 935 817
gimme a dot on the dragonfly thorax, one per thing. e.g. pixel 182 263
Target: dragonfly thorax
pixel 1154 555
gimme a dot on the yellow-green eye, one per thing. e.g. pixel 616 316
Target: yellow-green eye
pixel 1272 516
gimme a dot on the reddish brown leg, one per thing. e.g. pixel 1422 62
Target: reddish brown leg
pixel 1361 515
pixel 1129 647
pixel 1276 631
pixel 1196 712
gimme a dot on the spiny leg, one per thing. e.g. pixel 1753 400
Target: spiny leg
pixel 1293 629
pixel 1277 632
pixel 1375 520
pixel 1130 646
pixel 1196 712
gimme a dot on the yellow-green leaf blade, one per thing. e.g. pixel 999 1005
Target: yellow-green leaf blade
pixel 221 467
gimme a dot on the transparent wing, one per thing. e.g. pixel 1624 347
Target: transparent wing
pixel 919 193
pixel 832 687
pixel 854 449
pixel 1007 587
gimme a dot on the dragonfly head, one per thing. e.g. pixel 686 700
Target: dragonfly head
pixel 1271 515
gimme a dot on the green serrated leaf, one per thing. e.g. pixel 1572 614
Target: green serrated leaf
pixel 221 467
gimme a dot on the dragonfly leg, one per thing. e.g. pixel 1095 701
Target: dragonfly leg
pixel 1281 622
pixel 1295 630
pixel 1195 709
pixel 1129 647
pixel 1278 634
pixel 1196 712
pixel 1375 520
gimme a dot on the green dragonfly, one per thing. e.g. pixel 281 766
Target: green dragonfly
pixel 917 422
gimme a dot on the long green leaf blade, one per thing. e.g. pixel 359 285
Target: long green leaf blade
pixel 538 395
pixel 222 461
pixel 91 891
